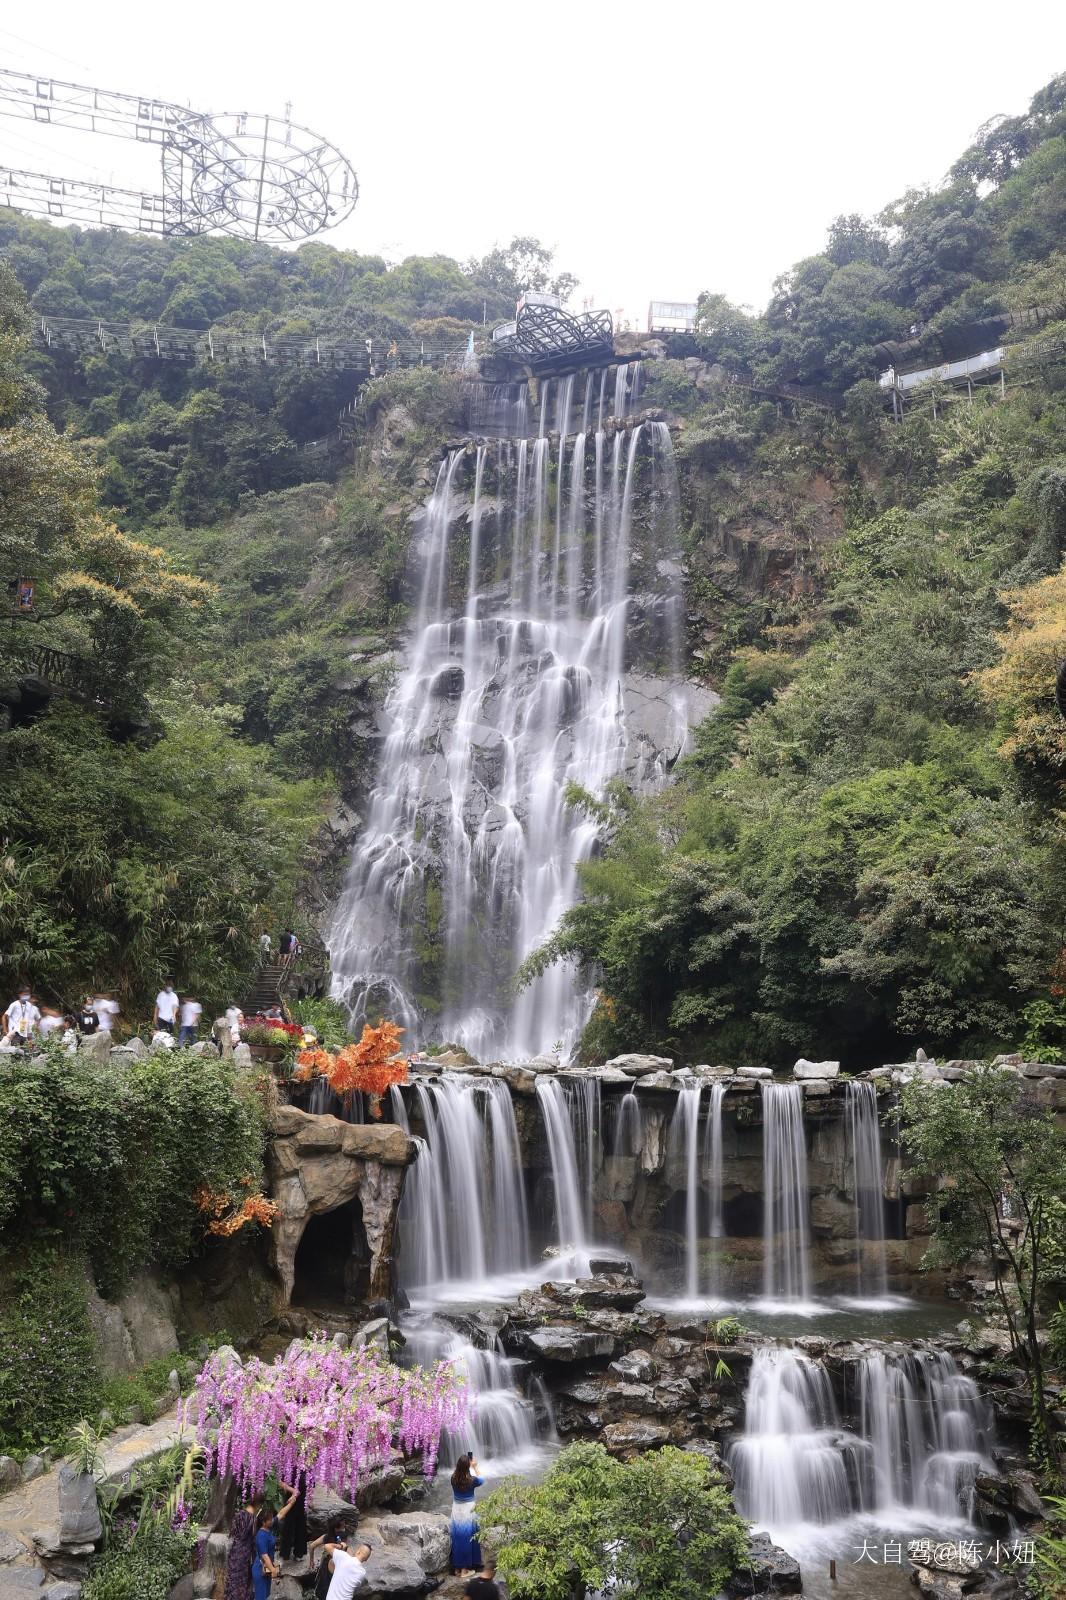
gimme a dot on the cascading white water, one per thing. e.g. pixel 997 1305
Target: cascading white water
pixel 513 689
pixel 786 1235
pixel 863 1131
pixel 508 1430
pixel 788 1466
pixel 463 1214
pixel 629 1127
pixel 931 1432
pixel 683 1143
pixel 570 1176
pixel 923 1433
pixel 712 1164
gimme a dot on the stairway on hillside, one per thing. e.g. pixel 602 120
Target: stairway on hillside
pixel 265 991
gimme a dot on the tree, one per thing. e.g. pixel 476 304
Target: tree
pixel 661 1525
pixel 998 1159
pixel 522 265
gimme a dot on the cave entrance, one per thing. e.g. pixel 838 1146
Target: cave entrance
pixel 332 1267
pixel 742 1216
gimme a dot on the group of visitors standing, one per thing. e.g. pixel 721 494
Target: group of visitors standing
pixel 263 1537
pixel 175 1019
pixel 255 1560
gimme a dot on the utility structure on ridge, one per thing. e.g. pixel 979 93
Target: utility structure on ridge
pixel 251 176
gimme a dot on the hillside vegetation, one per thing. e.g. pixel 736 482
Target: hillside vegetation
pixel 863 850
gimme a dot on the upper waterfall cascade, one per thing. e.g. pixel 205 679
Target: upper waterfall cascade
pixel 544 653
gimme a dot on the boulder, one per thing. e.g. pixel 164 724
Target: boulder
pixel 423 1534
pixel 79 1513
pixel 394 1570
pixel 598 1265
pixel 608 1290
pixel 10 1474
pixel 807 1070
pixel 242 1055
pixel 769 1570
pixel 634 1436
pixel 374 1334
pixel 636 1366
pixel 812 1088
pixel 62 1591
pixel 754 1072
pixel 33 1467
pixel 95 1047
pixel 637 1066
pixel 149 1321
pixel 111 1340
pixel 567 1343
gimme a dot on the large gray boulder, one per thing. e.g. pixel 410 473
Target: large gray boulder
pixel 10 1474
pixel 769 1570
pixel 635 1066
pixel 149 1320
pixel 79 1513
pixel 95 1046
pixel 394 1571
pixel 425 1535
pixel 807 1071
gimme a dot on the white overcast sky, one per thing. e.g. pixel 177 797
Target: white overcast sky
pixel 661 148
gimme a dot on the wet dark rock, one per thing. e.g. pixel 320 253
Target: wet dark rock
pixel 636 1366
pixel 566 1343
pixel 770 1570
pixel 611 1265
pixel 633 1436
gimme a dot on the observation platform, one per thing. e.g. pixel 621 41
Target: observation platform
pixel 547 338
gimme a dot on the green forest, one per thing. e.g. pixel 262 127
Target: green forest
pixel 863 850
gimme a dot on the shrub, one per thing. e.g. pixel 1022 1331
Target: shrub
pixel 48 1377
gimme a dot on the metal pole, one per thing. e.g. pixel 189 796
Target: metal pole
pixel 262 177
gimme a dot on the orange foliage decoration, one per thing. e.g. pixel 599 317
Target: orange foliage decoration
pixel 372 1066
pixel 228 1219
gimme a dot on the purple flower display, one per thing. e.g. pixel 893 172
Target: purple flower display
pixel 332 1415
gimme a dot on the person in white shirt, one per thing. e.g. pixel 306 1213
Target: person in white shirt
pixel 20 1019
pixel 191 1012
pixel 107 1009
pixel 166 1006
pixel 349 1572
pixel 50 1023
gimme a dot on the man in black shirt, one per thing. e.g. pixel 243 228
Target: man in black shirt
pixel 484 1586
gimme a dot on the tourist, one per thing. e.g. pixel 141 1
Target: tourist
pixel 87 1021
pixel 241 1550
pixel 294 1529
pixel 264 946
pixel 289 946
pixel 466 1551
pixel 191 1012
pixel 166 1006
pixel 265 1568
pixel 20 1019
pixel 349 1572
pixel 484 1586
pixel 337 1536
pixel 234 1022
pixel 68 1039
pixel 107 1009
pixel 51 1022
pixel 274 1013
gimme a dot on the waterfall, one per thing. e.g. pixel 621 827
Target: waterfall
pixel 923 1434
pixel 712 1166
pixel 787 1466
pixel 864 1142
pixel 571 1171
pixel 930 1429
pixel 786 1266
pixel 507 1430
pixel 463 1213
pixel 629 1127
pixel 683 1144
pixel 512 689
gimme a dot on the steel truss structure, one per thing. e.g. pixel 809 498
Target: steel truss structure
pixel 250 176
pixel 547 336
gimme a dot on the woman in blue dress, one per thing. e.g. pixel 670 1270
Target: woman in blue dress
pixel 466 1551
pixel 266 1567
